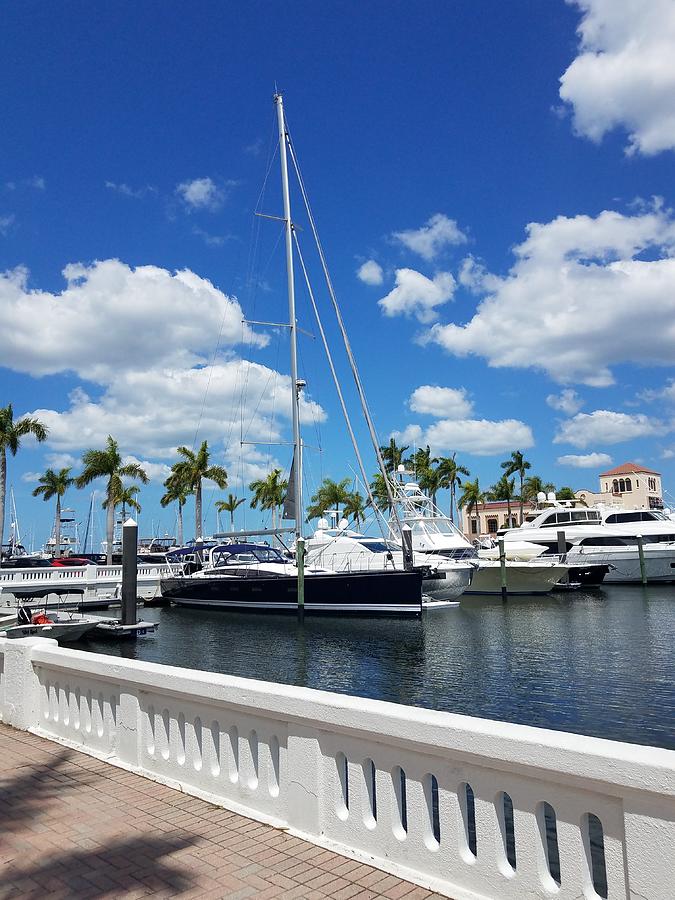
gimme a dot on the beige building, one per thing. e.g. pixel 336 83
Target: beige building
pixel 630 486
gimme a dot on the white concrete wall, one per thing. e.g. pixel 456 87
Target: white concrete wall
pixel 304 760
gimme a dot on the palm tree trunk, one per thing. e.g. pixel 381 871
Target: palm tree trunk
pixel 452 501
pixel 180 524
pixel 3 490
pixel 231 520
pixel 110 529
pixel 521 497
pixel 198 510
pixel 57 529
pixel 508 510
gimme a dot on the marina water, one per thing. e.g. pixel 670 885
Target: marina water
pixel 598 663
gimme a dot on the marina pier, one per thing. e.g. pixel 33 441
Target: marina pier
pixel 463 806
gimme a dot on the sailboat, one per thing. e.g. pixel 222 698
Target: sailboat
pixel 256 577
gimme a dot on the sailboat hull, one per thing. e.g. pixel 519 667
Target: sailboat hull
pixel 358 593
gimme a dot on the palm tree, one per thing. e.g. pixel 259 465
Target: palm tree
pixel 269 493
pixel 331 494
pixel 55 484
pixel 517 465
pixel 421 461
pixel 11 433
pixel 379 493
pixel 125 496
pixel 190 472
pixel 354 508
pixel 566 493
pixel 392 455
pixel 450 472
pixel 230 505
pixel 176 493
pixel 430 482
pixel 534 485
pixel 108 464
pixel 471 497
pixel 504 489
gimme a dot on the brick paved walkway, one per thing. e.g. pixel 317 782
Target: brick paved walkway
pixel 71 826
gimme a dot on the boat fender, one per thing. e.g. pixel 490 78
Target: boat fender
pixel 41 619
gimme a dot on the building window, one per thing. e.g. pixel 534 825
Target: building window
pixel 622 485
pixel 652 484
pixel 628 485
pixel 615 486
pixel 474 526
pixel 492 525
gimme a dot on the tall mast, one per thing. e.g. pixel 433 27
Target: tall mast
pixel 295 386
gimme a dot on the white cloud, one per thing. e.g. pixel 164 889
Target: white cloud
pixel 201 193
pixel 31 477
pixel 370 272
pixel 61 460
pixel 417 295
pixel 444 402
pixel 150 413
pixel 478 436
pixel 624 75
pixel 155 471
pixel 605 426
pixel 575 301
pixel 127 191
pixel 567 401
pixel 111 319
pixel 667 393
pixel 6 223
pixel 432 237
pixel 585 460
pixel 410 436
pixel 668 454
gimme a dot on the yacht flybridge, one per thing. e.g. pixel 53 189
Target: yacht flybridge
pixel 602 535
pixel 257 577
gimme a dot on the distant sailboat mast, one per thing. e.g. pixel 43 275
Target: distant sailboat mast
pixel 296 385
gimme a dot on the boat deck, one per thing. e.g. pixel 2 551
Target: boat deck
pixel 71 825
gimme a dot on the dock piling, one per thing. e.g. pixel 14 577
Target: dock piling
pixel 406 540
pixel 300 561
pixel 562 550
pixel 502 569
pixel 129 572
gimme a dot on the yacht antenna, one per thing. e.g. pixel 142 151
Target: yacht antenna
pixel 295 384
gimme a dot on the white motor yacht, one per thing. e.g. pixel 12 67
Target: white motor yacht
pixel 602 535
pixel 344 550
pixel 433 533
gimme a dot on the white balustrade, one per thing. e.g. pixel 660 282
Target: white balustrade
pixel 466 806
pixel 90 579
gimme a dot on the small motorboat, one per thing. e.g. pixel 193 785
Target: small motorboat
pixel 60 625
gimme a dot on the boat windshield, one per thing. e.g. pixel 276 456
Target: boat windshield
pixel 376 546
pixel 243 554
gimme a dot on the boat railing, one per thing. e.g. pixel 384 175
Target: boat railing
pixel 465 806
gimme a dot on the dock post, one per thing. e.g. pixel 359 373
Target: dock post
pixel 562 550
pixel 300 562
pixel 641 554
pixel 502 569
pixel 406 540
pixel 129 572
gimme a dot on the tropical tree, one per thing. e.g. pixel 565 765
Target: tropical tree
pixel 55 484
pixel 125 495
pixel 430 481
pixel 330 495
pixel 108 464
pixel 392 455
pixel 269 493
pixel 504 489
pixel 11 433
pixel 354 508
pixel 517 465
pixel 421 461
pixel 378 490
pixel 534 485
pixel 175 492
pixel 450 472
pixel 566 493
pixel 471 497
pixel 230 505
pixel 191 470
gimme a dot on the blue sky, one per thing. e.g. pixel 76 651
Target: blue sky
pixel 504 171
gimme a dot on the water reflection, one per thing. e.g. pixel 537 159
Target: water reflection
pixel 599 663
